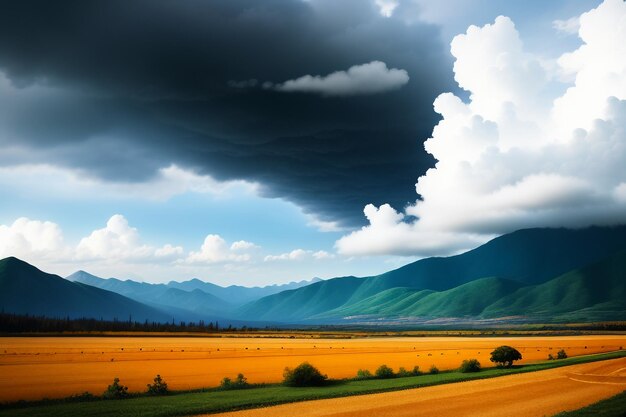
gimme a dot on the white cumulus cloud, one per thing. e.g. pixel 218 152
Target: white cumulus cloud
pixel 322 254
pixel 371 78
pixel 32 239
pixel 216 250
pixel 242 245
pixel 520 152
pixel 118 240
pixel 294 255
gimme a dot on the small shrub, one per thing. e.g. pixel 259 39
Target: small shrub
pixel 239 383
pixel 226 383
pixel 384 371
pixel 303 375
pixel 416 371
pixel 550 357
pixel 363 374
pixel 470 365
pixel 159 387
pixel 403 373
pixel 561 354
pixel 85 396
pixel 433 370
pixel 115 390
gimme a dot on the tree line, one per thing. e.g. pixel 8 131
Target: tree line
pixel 24 323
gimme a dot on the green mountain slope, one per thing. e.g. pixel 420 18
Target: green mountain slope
pixel 592 293
pixel 529 256
pixel 25 289
pixel 303 302
pixel 598 289
pixel 465 300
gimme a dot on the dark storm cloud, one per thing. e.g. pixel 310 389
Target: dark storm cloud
pixel 121 88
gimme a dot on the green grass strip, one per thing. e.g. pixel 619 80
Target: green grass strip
pixel 611 407
pixel 213 400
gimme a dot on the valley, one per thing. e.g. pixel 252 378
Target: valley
pixel 57 367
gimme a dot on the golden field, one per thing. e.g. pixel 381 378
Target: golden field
pixel 36 367
pixel 551 391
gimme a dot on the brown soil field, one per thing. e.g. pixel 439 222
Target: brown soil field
pixel 542 393
pixel 32 368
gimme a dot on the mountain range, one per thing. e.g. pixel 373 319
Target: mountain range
pixel 510 263
pixel 198 298
pixel 546 275
pixel 24 289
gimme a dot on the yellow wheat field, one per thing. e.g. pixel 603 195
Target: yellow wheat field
pixel 37 367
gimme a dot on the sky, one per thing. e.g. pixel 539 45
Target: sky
pixel 260 142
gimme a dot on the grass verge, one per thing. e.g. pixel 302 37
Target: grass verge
pixel 611 407
pixel 215 400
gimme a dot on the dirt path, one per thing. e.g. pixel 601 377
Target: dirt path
pixel 525 395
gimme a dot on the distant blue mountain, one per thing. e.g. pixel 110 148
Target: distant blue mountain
pixel 196 297
pixel 237 294
pixel 161 296
pixel 25 289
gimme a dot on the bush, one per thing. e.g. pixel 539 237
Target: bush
pixel 561 354
pixel 303 375
pixel 403 373
pixel 239 383
pixel 416 371
pixel 470 365
pixel 159 387
pixel 433 370
pixel 363 374
pixel 505 355
pixel 85 396
pixel 550 357
pixel 116 390
pixel 384 371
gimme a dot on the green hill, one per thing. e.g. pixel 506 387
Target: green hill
pixel 598 289
pixel 531 256
pixel 596 292
pixel 25 289
pixel 466 300
pixel 302 303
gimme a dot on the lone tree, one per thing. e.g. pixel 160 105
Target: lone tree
pixel 505 355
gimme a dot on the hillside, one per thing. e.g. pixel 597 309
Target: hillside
pixel 598 289
pixel 25 289
pixel 531 256
pixel 465 300
pixel 595 292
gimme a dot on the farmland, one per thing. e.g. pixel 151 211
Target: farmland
pixel 551 391
pixel 56 367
